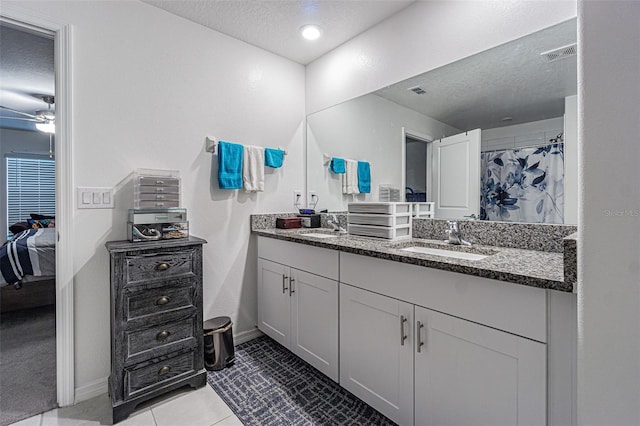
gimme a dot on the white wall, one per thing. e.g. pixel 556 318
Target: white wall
pixel 424 36
pixel 368 128
pixel 148 87
pixel 521 135
pixel 16 141
pixel 609 222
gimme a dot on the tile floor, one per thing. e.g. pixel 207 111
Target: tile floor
pixel 186 406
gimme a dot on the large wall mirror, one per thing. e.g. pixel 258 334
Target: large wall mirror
pixel 493 134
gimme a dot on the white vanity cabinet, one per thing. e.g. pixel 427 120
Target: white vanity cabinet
pixel 423 346
pixel 298 301
pixel 376 351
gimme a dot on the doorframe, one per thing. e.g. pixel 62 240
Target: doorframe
pixel 30 20
pixel 403 153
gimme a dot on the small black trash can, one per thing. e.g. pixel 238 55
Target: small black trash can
pixel 218 343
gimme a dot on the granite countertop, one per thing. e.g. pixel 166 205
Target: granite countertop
pixel 526 267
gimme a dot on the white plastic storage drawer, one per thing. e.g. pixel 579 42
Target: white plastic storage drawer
pixel 380 208
pixel 378 219
pixel 391 233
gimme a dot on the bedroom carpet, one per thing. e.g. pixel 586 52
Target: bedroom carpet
pixel 270 386
pixel 27 363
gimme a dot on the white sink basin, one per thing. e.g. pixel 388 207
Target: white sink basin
pixel 319 235
pixel 445 253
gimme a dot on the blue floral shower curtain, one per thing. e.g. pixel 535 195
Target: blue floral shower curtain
pixel 523 185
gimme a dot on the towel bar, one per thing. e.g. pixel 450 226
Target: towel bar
pixel 212 145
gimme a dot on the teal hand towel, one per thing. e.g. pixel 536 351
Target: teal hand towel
pixel 364 177
pixel 273 157
pixel 230 165
pixel 337 165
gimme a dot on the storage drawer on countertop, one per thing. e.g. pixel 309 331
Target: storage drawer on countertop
pixel 157 301
pixel 162 338
pixel 142 377
pixel 316 260
pixel 156 181
pixel 159 266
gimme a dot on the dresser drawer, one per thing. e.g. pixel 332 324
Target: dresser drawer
pixel 142 377
pixel 162 338
pixel 158 300
pixel 159 266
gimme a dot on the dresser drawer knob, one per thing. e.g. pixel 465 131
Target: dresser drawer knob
pixel 162 301
pixel 162 335
pixel 163 266
pixel 164 370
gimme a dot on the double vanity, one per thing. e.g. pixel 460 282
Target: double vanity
pixel 426 333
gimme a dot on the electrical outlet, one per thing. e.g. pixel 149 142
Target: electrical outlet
pixel 312 199
pixel 297 199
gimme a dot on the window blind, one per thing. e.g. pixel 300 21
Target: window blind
pixel 31 188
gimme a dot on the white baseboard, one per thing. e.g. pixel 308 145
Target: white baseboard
pixel 245 336
pixel 91 390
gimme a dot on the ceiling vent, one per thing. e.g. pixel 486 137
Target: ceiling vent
pixel 417 90
pixel 560 53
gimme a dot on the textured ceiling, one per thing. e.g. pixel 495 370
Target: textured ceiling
pixel 274 24
pixel 26 73
pixel 509 80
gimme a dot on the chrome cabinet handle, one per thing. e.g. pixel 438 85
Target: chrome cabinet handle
pixel 162 335
pixel 284 283
pixel 419 344
pixel 164 370
pixel 291 281
pixel 403 336
pixel 162 301
pixel 162 266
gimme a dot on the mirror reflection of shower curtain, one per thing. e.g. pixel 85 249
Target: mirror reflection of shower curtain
pixel 523 185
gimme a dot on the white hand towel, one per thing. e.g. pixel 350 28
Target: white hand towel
pixel 253 168
pixel 350 177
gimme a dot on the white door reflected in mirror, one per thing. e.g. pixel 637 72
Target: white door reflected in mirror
pixel 456 172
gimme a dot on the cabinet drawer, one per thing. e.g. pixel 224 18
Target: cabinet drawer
pixel 316 260
pixel 141 303
pixel 164 337
pixel 141 377
pixel 159 266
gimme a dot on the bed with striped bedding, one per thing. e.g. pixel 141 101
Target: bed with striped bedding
pixel 29 253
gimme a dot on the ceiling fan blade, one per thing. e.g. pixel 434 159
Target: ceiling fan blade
pixel 18 112
pixel 22 119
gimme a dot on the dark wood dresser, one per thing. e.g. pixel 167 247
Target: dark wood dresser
pixel 156 320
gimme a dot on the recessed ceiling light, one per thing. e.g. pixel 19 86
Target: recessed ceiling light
pixel 310 32
pixel 507 118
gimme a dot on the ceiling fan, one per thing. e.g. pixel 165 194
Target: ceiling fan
pixel 44 119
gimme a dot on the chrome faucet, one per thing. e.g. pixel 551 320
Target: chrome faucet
pixel 335 224
pixel 454 236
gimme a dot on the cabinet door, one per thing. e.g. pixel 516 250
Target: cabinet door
pixel 469 374
pixel 274 312
pixel 376 362
pixel 314 321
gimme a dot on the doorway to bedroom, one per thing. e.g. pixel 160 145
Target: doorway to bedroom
pixel 27 217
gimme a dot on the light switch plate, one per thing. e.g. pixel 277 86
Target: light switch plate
pixel 95 198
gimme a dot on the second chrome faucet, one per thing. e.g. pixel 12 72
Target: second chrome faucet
pixel 335 224
pixel 454 236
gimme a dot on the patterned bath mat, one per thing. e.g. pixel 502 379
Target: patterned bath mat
pixel 268 385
